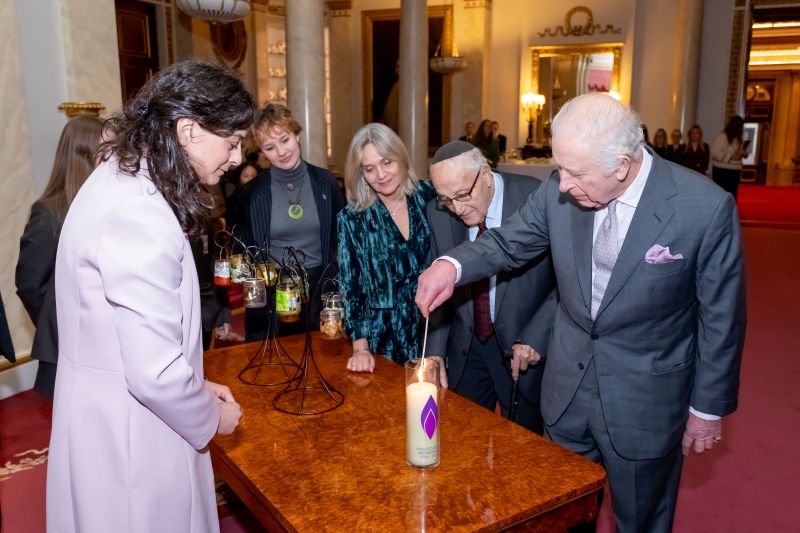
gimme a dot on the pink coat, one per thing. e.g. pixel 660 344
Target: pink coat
pixel 131 417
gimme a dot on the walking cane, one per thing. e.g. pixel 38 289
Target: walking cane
pixel 512 404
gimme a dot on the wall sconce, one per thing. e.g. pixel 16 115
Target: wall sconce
pixel 533 104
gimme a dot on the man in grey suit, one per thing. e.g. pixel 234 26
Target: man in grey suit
pixel 646 346
pixel 470 197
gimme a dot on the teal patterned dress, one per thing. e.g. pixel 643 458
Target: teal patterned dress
pixel 378 269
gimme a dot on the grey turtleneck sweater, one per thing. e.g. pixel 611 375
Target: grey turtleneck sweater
pixel 303 233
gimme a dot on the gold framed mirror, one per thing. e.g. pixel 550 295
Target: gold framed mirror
pixel 565 71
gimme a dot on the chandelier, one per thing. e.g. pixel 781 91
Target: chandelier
pixel 215 10
pixel 446 59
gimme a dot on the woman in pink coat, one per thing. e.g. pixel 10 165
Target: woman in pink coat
pixel 132 412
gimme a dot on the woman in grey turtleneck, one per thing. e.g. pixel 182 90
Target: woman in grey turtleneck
pixel 293 203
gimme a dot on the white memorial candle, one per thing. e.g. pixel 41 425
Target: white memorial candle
pixel 422 424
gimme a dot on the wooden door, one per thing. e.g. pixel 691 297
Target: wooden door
pixel 138 47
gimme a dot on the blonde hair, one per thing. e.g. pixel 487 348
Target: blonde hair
pixel 386 142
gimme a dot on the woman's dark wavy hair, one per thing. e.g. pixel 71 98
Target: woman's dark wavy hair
pixel 735 128
pixel 146 128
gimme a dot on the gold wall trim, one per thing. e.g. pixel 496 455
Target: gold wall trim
pixel 478 3
pixel 589 28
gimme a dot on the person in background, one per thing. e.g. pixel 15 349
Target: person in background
pixel 646 135
pixel 486 143
pixel 501 139
pixel 675 144
pixel 133 414
pixel 727 152
pixel 493 317
pixel 660 143
pixel 291 204
pixel 695 154
pixel 645 354
pixel 235 185
pixel 469 131
pixel 36 266
pixel 214 305
pixel 384 238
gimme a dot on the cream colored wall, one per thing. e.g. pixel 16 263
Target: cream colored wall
pixel 53 51
pixel 92 62
pixel 17 177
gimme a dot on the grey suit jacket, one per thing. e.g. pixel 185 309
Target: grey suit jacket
pixel 525 301
pixel 666 336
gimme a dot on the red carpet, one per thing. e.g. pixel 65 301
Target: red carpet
pixel 762 205
pixel 751 484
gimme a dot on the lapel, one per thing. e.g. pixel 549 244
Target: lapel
pixel 651 215
pixel 582 227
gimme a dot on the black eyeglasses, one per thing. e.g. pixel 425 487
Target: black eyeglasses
pixel 446 201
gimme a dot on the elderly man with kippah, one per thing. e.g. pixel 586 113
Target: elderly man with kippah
pixel 511 312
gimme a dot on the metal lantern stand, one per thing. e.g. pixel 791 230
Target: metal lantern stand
pixel 308 392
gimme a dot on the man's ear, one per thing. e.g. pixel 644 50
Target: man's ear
pixel 624 168
pixel 184 130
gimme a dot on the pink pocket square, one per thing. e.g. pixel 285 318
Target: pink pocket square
pixel 659 255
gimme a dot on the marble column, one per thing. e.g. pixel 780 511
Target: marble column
pixel 342 103
pixel 413 119
pixel 686 63
pixel 305 76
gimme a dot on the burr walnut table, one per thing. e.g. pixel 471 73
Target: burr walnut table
pixel 345 470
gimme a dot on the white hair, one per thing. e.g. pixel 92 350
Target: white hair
pixel 603 126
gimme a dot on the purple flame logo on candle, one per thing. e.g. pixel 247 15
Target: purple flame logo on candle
pixel 429 417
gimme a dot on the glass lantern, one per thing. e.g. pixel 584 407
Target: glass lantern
pixel 287 300
pixel 254 293
pixel 240 268
pixel 222 272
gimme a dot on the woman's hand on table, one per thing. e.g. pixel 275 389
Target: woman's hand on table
pixel 361 361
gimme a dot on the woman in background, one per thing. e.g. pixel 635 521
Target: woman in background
pixel 660 143
pixel 35 274
pixel 234 185
pixel 384 238
pixel 727 152
pixel 695 154
pixel 133 414
pixel 291 204
pixel 675 144
pixel 487 143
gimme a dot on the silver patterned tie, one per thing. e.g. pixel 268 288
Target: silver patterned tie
pixel 604 253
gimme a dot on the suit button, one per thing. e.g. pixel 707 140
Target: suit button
pixel 580 366
pixel 595 336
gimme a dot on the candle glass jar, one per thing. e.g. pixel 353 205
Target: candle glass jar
pixel 269 272
pixel 254 293
pixel 240 268
pixel 332 300
pixel 330 324
pixel 422 412
pixel 222 272
pixel 287 301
